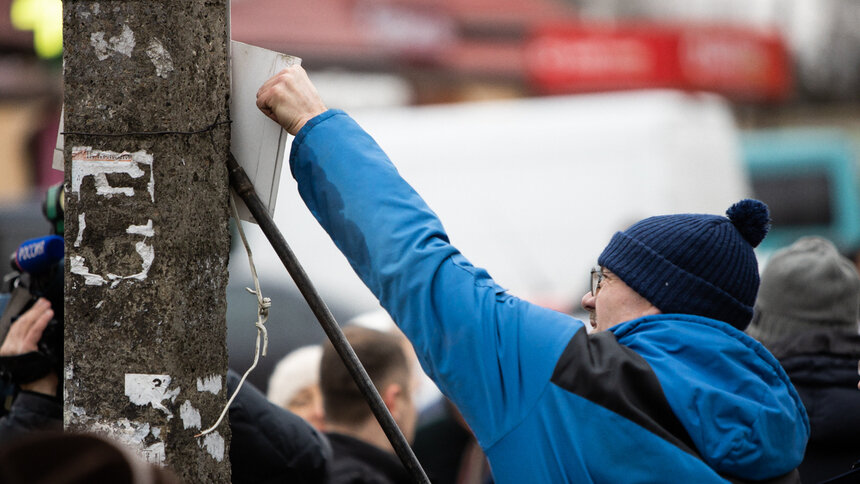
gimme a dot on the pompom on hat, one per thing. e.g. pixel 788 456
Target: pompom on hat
pixel 694 263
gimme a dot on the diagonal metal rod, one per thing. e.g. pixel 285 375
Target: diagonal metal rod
pixel 245 189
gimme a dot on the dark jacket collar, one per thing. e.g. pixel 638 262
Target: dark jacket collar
pixel 356 461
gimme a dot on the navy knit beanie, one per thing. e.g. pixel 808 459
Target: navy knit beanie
pixel 692 263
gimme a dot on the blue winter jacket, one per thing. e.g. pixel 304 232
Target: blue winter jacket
pixel 666 398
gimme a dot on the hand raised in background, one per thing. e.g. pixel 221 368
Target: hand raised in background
pixel 24 336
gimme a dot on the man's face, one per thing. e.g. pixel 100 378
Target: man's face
pixel 615 302
pixel 308 404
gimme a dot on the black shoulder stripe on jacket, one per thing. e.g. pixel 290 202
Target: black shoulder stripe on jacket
pixel 600 369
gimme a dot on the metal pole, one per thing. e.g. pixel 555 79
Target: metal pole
pixel 245 189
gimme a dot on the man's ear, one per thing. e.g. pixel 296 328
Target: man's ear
pixel 391 396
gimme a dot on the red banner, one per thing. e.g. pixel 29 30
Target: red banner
pixel 739 63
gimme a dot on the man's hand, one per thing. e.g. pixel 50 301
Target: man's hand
pixel 24 336
pixel 290 99
pixel 25 333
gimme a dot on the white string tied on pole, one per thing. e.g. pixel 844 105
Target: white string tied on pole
pixel 263 305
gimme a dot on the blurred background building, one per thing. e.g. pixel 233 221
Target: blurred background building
pixel 781 62
pixel 788 69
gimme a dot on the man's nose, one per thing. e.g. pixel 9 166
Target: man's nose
pixel 588 302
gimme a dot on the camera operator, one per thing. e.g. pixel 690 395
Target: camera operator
pixel 37 406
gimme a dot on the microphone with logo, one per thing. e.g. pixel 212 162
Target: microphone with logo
pixel 38 256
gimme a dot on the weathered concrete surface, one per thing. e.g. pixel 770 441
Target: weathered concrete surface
pixel 147 239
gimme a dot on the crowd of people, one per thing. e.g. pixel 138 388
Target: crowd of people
pixel 693 366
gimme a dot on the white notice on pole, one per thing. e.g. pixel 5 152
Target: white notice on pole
pixel 257 142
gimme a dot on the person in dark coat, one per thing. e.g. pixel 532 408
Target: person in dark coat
pixel 807 316
pixel 271 444
pixel 362 452
pixel 447 449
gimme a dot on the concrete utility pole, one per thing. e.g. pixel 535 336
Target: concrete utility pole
pixel 147 239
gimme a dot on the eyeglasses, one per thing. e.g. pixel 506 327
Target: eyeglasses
pixel 597 277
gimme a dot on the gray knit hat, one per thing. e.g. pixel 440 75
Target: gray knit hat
pixel 806 286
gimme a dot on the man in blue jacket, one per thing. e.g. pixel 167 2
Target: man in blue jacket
pixel 669 389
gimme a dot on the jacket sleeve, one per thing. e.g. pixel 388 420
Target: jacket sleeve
pixel 491 353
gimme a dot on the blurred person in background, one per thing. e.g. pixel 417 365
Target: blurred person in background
pixel 362 452
pixel 37 405
pixel 270 444
pixel 67 458
pixel 295 384
pixel 444 444
pixel 669 388
pixel 806 314
pixel 425 392
pixel 447 448
pixel 855 258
